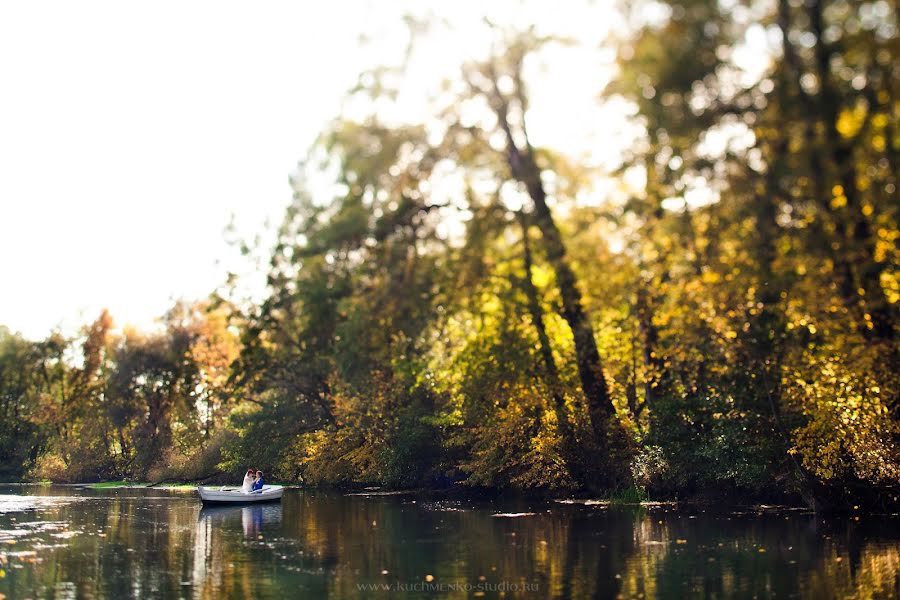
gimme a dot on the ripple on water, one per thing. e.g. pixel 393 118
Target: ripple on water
pixel 11 503
pixel 38 526
pixel 444 506
pixel 11 534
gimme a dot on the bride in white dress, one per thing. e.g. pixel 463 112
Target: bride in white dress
pixel 249 478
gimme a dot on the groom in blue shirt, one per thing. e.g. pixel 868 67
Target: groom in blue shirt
pixel 259 483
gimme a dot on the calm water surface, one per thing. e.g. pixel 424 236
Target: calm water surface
pixel 69 542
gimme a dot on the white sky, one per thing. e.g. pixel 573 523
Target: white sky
pixel 130 133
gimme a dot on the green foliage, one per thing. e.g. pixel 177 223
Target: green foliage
pixel 20 436
pixel 413 449
pixel 262 437
pixel 631 495
pixel 847 433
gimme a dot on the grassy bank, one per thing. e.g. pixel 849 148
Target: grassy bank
pixel 107 485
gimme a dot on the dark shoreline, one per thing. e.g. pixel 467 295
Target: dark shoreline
pixel 760 504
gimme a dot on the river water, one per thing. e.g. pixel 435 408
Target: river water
pixel 72 542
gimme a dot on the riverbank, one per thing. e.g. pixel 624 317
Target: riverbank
pixel 885 503
pixel 716 502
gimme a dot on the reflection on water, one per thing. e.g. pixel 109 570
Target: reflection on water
pixel 65 542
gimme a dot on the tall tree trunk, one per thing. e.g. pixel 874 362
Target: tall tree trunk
pixel 855 231
pixel 768 325
pixel 645 298
pixel 546 350
pixel 654 366
pixel 524 169
pixel 855 252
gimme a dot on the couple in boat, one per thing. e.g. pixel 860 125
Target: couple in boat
pixel 253 481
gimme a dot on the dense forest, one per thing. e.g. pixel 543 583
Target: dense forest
pixel 450 303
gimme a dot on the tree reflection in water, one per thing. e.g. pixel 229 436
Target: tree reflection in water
pixel 130 543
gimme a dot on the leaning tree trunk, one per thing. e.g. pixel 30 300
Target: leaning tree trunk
pixel 524 169
pixel 546 351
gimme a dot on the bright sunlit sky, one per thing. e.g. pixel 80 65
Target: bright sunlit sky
pixel 130 133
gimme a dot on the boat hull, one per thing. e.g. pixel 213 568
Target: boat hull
pixel 211 495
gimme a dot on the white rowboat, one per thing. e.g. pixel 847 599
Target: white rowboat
pixel 268 493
